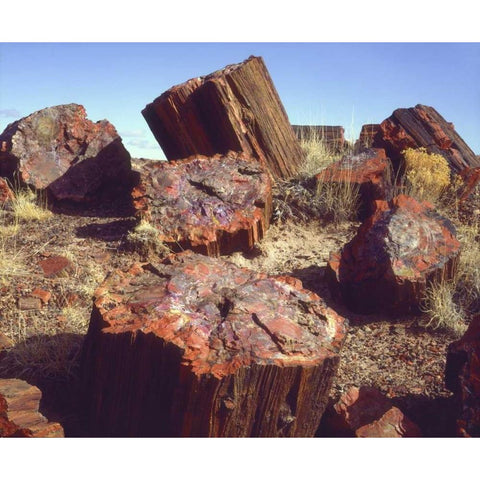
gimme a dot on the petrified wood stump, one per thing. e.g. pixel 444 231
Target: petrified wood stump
pixel 423 126
pixel 396 252
pixel 369 170
pixel 462 377
pixel 237 108
pixel 59 149
pixel 19 415
pixel 212 205
pixel 195 346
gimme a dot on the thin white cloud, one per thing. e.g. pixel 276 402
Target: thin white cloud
pixel 10 113
pixel 133 133
pixel 139 143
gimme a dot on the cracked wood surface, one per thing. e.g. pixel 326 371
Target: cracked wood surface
pixel 195 346
pixel 212 205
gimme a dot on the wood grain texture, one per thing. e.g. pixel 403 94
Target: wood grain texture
pixel 237 108
pixel 423 126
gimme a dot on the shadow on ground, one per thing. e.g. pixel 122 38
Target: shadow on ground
pixel 107 232
pixel 436 417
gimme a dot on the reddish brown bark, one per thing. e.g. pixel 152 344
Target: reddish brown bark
pixel 423 126
pixel 237 108
pixel 195 346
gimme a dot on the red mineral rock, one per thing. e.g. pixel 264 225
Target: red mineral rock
pixel 55 266
pixel 366 412
pixel 196 346
pixel 213 206
pixel 59 149
pixel 369 170
pixel 462 377
pixel 237 108
pixel 6 193
pixel 423 126
pixel 19 415
pixel 396 252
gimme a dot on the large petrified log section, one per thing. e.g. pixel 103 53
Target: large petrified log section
pixel 396 252
pixel 237 108
pixel 423 126
pixel 59 149
pixel 369 170
pixel 333 137
pixel 19 415
pixel 195 346
pixel 212 205
pixel 462 377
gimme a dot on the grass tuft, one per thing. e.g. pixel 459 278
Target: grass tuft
pixel 26 206
pixel 144 240
pixel 442 310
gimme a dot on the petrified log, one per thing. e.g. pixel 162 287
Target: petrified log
pixel 237 108
pixel 212 205
pixel 368 170
pixel 59 149
pixel 195 346
pixel 367 134
pixel 423 126
pixel 462 377
pixel 332 136
pixel 19 415
pixel 396 252
pixel 366 412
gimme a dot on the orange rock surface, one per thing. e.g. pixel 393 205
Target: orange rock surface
pixel 195 346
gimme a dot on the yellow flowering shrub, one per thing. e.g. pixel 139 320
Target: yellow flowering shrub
pixel 427 174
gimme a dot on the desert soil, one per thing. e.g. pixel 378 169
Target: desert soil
pixel 402 359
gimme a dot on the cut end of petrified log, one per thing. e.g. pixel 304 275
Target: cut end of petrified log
pixel 196 346
pixel 221 316
pixel 211 205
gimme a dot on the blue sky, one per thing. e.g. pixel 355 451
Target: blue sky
pixel 345 84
